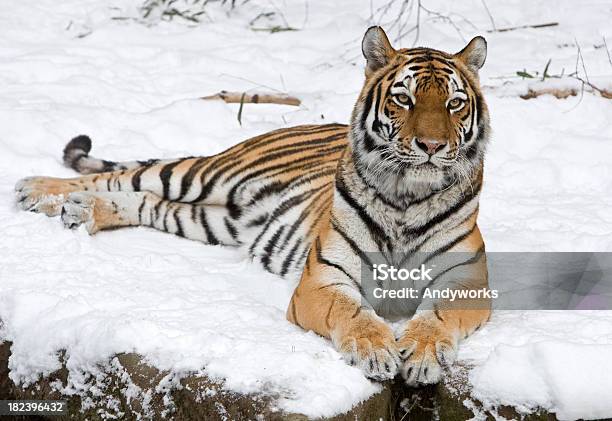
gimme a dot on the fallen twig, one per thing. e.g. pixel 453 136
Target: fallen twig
pixel 585 83
pixel 513 28
pixel 606 93
pixel 262 98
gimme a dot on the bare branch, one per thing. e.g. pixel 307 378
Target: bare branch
pixel 537 26
pixel 407 18
pixel 607 51
pixel 581 61
pixel 484 3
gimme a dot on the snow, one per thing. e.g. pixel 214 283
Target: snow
pixel 558 360
pixel 69 68
pixel 550 374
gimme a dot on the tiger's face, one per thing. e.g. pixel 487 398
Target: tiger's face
pixel 421 119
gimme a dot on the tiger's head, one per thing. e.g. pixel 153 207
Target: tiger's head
pixel 421 120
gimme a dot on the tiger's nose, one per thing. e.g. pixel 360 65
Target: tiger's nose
pixel 430 147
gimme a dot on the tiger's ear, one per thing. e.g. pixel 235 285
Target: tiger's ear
pixel 376 49
pixel 474 54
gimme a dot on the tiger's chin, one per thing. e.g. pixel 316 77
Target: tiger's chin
pixel 427 173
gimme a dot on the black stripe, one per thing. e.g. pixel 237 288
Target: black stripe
pixel 451 244
pixel 165 174
pixel 335 284
pixel 136 178
pixel 356 249
pixel 187 180
pixel 424 239
pixel 260 220
pixel 270 247
pixel 391 74
pixel 319 211
pixel 233 156
pixel 322 260
pixel 177 221
pixel 140 208
pixel 376 122
pixel 166 218
pixel 284 151
pixel 420 230
pixel 230 228
pixel 376 231
pixel 479 253
pixel 367 105
pixel 267 190
pixel 302 257
pixel 369 144
pixel 317 141
pixel 157 208
pixel 479 121
pixel 289 258
pixel 210 237
pixel 271 138
pixel 296 164
pixel 283 208
pixel 314 164
pixel 303 215
pixel 194 214
pixel 208 186
pixel 468 135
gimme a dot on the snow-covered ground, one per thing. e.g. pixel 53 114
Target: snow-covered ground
pixel 68 68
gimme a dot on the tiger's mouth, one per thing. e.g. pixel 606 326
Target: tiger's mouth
pixel 423 161
pixel 430 169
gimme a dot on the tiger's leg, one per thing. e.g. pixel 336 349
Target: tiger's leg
pixel 328 300
pixel 173 180
pixel 429 341
pixel 106 210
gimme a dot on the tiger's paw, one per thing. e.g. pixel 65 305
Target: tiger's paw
pixel 79 209
pixel 93 210
pixel 427 348
pixel 373 350
pixel 40 194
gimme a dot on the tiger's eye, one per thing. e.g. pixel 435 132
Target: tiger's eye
pixel 455 103
pixel 403 99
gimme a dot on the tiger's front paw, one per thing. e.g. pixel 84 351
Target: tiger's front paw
pixel 371 348
pixel 426 347
pixel 40 194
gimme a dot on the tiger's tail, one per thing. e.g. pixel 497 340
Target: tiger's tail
pixel 76 156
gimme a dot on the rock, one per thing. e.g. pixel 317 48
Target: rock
pixel 131 389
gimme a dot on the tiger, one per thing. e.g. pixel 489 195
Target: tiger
pixel 404 175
